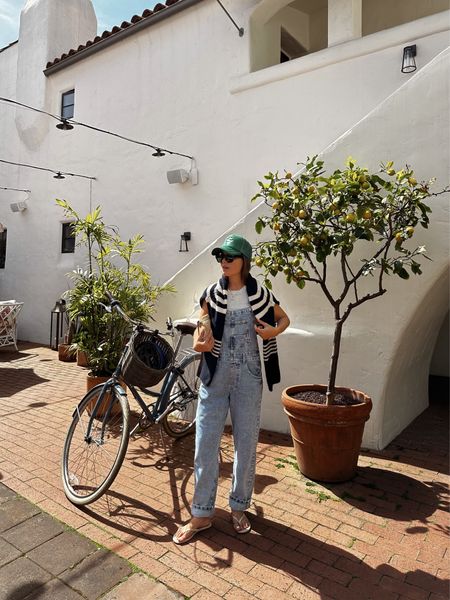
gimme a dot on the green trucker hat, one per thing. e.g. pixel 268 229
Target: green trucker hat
pixel 235 245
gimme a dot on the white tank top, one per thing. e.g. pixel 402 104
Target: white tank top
pixel 237 299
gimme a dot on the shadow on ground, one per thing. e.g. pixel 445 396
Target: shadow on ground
pixel 16 380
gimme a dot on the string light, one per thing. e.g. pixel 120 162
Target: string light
pixel 67 124
pixel 15 190
pixel 58 174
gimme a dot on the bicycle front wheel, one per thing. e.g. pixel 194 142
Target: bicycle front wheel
pixel 183 390
pixel 92 458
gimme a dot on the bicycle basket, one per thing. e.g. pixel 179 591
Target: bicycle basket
pixel 147 360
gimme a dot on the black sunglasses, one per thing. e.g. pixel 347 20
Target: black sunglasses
pixel 226 257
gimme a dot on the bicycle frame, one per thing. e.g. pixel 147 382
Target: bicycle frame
pixel 159 408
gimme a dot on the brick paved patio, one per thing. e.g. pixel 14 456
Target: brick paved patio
pixel 382 536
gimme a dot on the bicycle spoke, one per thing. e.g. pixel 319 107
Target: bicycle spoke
pixel 183 400
pixel 93 455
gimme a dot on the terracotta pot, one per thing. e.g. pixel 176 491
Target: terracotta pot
pixel 92 381
pixel 327 439
pixel 82 358
pixel 65 354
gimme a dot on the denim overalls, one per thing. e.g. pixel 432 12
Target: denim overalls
pixel 236 386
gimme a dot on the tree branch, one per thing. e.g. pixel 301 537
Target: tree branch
pixel 353 305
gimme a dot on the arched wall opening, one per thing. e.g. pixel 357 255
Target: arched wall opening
pixel 282 30
pixel 440 366
pixel 406 388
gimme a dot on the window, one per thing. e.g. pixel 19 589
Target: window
pixel 68 238
pixel 2 248
pixel 67 104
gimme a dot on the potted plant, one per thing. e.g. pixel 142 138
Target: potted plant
pixel 322 222
pixel 109 266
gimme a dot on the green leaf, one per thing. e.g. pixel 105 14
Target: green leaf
pixel 259 225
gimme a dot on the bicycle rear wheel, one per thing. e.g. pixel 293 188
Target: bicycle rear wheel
pixel 91 462
pixel 183 390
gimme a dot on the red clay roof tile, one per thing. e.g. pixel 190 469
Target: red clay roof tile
pixel 116 29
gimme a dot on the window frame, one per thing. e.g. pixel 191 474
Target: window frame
pixel 65 228
pixel 3 242
pixel 67 106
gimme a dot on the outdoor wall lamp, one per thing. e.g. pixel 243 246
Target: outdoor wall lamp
pixel 184 239
pixel 408 62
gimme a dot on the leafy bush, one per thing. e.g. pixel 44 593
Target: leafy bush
pixel 110 267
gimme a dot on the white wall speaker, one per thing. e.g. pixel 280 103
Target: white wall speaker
pixel 177 176
pixel 18 206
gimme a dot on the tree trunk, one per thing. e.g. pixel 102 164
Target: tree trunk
pixel 334 361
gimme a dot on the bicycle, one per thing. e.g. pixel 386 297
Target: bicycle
pixel 98 436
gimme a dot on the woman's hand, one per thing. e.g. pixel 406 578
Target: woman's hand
pixel 264 330
pixel 203 339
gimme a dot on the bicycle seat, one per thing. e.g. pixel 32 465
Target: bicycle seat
pixel 186 327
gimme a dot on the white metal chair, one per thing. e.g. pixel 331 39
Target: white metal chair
pixel 9 311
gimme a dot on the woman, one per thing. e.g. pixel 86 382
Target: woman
pixel 233 312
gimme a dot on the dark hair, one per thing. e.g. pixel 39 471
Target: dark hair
pixel 247 265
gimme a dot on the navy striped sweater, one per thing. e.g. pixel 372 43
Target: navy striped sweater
pixel 262 302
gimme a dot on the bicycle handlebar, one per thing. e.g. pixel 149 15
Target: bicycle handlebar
pixel 114 304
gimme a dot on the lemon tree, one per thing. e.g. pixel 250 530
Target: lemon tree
pixel 317 217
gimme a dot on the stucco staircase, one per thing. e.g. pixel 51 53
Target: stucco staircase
pixel 388 343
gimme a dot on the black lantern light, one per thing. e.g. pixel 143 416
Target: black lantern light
pixel 408 62
pixel 57 323
pixel 184 239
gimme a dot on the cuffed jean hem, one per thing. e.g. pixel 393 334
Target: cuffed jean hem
pixel 201 511
pixel 239 505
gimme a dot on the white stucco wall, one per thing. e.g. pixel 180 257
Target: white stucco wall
pixel 388 343
pixel 170 85
pixel 185 84
pixel 381 14
pixel 47 29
